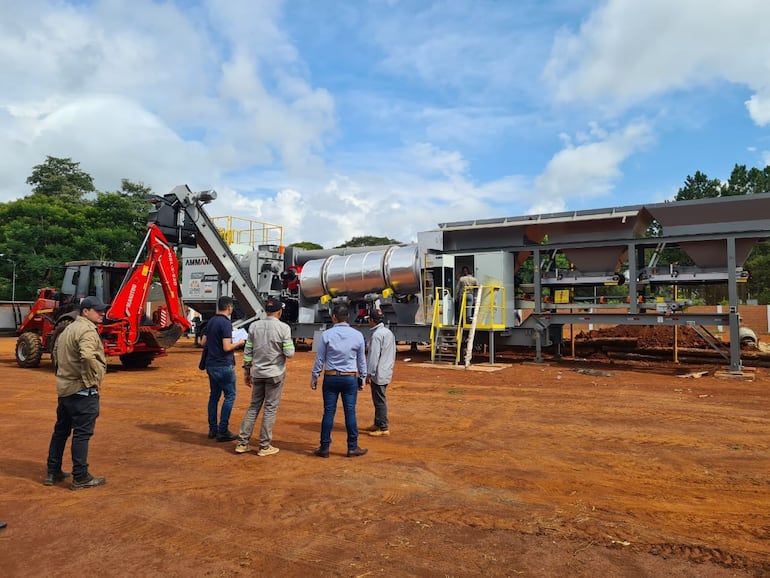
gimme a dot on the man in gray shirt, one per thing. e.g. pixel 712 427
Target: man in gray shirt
pixel 268 346
pixel 379 370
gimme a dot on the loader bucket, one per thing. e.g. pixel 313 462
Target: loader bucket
pixel 161 338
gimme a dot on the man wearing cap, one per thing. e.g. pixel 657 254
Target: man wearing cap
pixel 268 346
pixel 379 370
pixel 80 368
pixel 341 355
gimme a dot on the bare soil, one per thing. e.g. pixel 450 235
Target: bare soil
pixel 570 468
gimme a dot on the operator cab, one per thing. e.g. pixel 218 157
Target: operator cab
pixel 100 279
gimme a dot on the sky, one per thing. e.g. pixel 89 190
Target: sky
pixel 343 118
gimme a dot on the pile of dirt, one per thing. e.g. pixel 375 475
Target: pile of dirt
pixel 644 336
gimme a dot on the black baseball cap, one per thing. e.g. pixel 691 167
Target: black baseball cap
pixel 93 303
pixel 273 305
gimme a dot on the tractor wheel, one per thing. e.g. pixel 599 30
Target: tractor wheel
pixel 29 349
pixel 61 326
pixel 136 360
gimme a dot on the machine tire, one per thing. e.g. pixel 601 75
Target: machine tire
pixel 61 326
pixel 136 360
pixel 29 349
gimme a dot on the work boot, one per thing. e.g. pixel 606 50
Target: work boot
pixel 357 452
pixel 88 482
pixel 321 453
pixel 56 477
pixel 212 434
pixel 228 436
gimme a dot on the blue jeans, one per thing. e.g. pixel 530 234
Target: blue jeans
pixel 335 386
pixel 221 381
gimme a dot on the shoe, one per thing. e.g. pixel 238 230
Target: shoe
pixel 372 427
pixel 212 434
pixel 242 448
pixel 54 478
pixel 89 482
pixel 321 453
pixel 380 433
pixel 267 451
pixel 357 452
pixel 228 436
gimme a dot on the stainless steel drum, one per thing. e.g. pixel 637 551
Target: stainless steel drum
pixel 361 273
pixel 311 279
pixel 402 269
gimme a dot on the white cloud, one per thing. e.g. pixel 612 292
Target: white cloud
pixel 628 51
pixel 588 169
pixel 153 61
pixel 759 108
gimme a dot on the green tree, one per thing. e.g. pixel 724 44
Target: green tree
pixel 758 264
pixel 119 222
pixel 41 233
pixel 699 187
pixel 63 220
pixel 306 245
pixel 747 182
pixel 60 178
pixel 368 241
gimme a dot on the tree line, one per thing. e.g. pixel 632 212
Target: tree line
pixel 64 218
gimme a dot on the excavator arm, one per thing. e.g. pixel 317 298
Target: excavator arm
pixel 129 303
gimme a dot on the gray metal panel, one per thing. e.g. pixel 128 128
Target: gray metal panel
pixel 738 214
pixel 597 259
pixel 603 226
pixel 714 253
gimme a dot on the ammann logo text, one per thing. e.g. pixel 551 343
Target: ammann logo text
pixel 197 261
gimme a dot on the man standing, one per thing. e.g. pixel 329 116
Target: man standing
pixel 268 346
pixel 220 366
pixel 80 368
pixel 466 284
pixel 379 370
pixel 342 356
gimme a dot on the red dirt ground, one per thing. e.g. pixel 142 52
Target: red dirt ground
pixel 564 468
pixel 647 336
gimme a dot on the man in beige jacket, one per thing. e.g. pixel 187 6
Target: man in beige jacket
pixel 80 368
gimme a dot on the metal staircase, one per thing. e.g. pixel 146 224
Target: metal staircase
pixel 444 347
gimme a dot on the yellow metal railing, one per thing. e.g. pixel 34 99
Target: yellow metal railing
pixel 487 314
pixel 242 231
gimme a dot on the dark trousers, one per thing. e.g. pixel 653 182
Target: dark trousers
pixel 380 402
pixel 76 414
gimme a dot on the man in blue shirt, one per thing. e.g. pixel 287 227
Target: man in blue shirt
pixel 341 355
pixel 220 366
